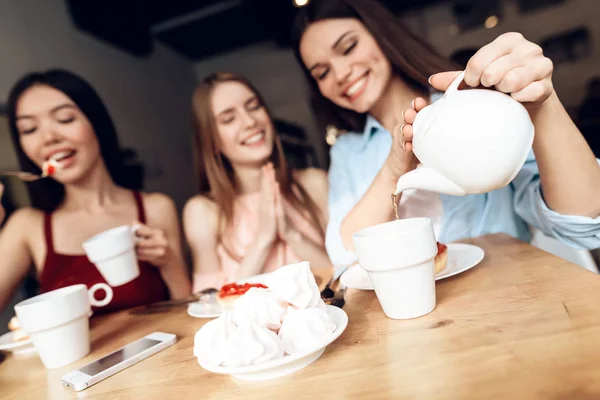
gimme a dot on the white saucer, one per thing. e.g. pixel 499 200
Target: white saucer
pixel 461 257
pixel 19 347
pixel 287 364
pixel 204 309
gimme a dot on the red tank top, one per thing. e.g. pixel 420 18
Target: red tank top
pixel 62 270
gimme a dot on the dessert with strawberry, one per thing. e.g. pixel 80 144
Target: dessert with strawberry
pixel 441 259
pixel 54 163
pixel 230 292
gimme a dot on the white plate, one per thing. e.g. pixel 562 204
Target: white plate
pixel 461 257
pixel 287 364
pixel 19 347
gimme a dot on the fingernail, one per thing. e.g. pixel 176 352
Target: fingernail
pixel 403 115
pixel 429 79
pixel 404 145
pixel 412 103
pixel 402 128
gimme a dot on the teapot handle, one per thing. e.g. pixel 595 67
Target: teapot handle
pixel 453 88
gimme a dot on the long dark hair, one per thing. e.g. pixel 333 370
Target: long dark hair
pixel 411 58
pixel 215 172
pixel 48 194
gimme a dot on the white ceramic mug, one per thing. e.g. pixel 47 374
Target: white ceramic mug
pixel 113 253
pixel 58 322
pixel 399 258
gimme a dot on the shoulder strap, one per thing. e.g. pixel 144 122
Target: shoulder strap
pixel 140 207
pixel 48 232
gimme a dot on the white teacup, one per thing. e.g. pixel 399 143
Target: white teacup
pixel 113 253
pixel 58 322
pixel 399 258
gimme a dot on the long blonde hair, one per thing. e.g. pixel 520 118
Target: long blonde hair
pixel 215 172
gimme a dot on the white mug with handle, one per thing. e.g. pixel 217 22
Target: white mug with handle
pixel 113 253
pixel 58 322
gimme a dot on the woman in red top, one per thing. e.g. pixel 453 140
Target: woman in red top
pixel 57 114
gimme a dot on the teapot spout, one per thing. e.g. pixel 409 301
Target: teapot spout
pixel 425 178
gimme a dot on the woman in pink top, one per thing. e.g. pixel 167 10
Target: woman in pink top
pixel 254 214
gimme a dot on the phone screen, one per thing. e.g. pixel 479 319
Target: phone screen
pixel 120 355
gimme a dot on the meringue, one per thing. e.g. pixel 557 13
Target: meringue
pixel 296 284
pixel 261 306
pixel 265 324
pixel 222 343
pixel 305 329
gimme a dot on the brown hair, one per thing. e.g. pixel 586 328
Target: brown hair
pixel 215 172
pixel 411 58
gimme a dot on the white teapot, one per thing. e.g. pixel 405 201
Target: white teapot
pixel 469 141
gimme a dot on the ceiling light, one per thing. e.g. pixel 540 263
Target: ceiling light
pixel 491 21
pixel 300 3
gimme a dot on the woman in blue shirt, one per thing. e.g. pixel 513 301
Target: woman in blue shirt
pixel 366 68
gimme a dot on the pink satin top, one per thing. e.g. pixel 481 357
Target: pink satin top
pixel 242 234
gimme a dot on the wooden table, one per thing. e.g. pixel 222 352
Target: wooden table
pixel 522 325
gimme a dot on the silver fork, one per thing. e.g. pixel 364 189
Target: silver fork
pixel 22 175
pixel 327 292
pixel 163 306
pixel 339 299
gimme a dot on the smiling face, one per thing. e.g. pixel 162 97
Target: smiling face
pixel 51 126
pixel 245 130
pixel 346 62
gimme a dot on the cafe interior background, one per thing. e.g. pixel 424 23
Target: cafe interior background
pixel 145 58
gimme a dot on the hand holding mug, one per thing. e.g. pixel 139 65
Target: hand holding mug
pixel 152 245
pixel 114 254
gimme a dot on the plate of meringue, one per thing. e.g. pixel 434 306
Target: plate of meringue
pixel 271 332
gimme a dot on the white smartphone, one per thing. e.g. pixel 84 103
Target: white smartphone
pixel 112 363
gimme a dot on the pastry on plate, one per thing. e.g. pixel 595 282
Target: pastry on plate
pixel 441 259
pixel 230 292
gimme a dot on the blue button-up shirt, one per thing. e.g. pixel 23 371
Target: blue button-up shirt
pixel 357 158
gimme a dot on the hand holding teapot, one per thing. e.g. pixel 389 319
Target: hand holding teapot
pixel 464 161
pixel 510 64
pixel 469 141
